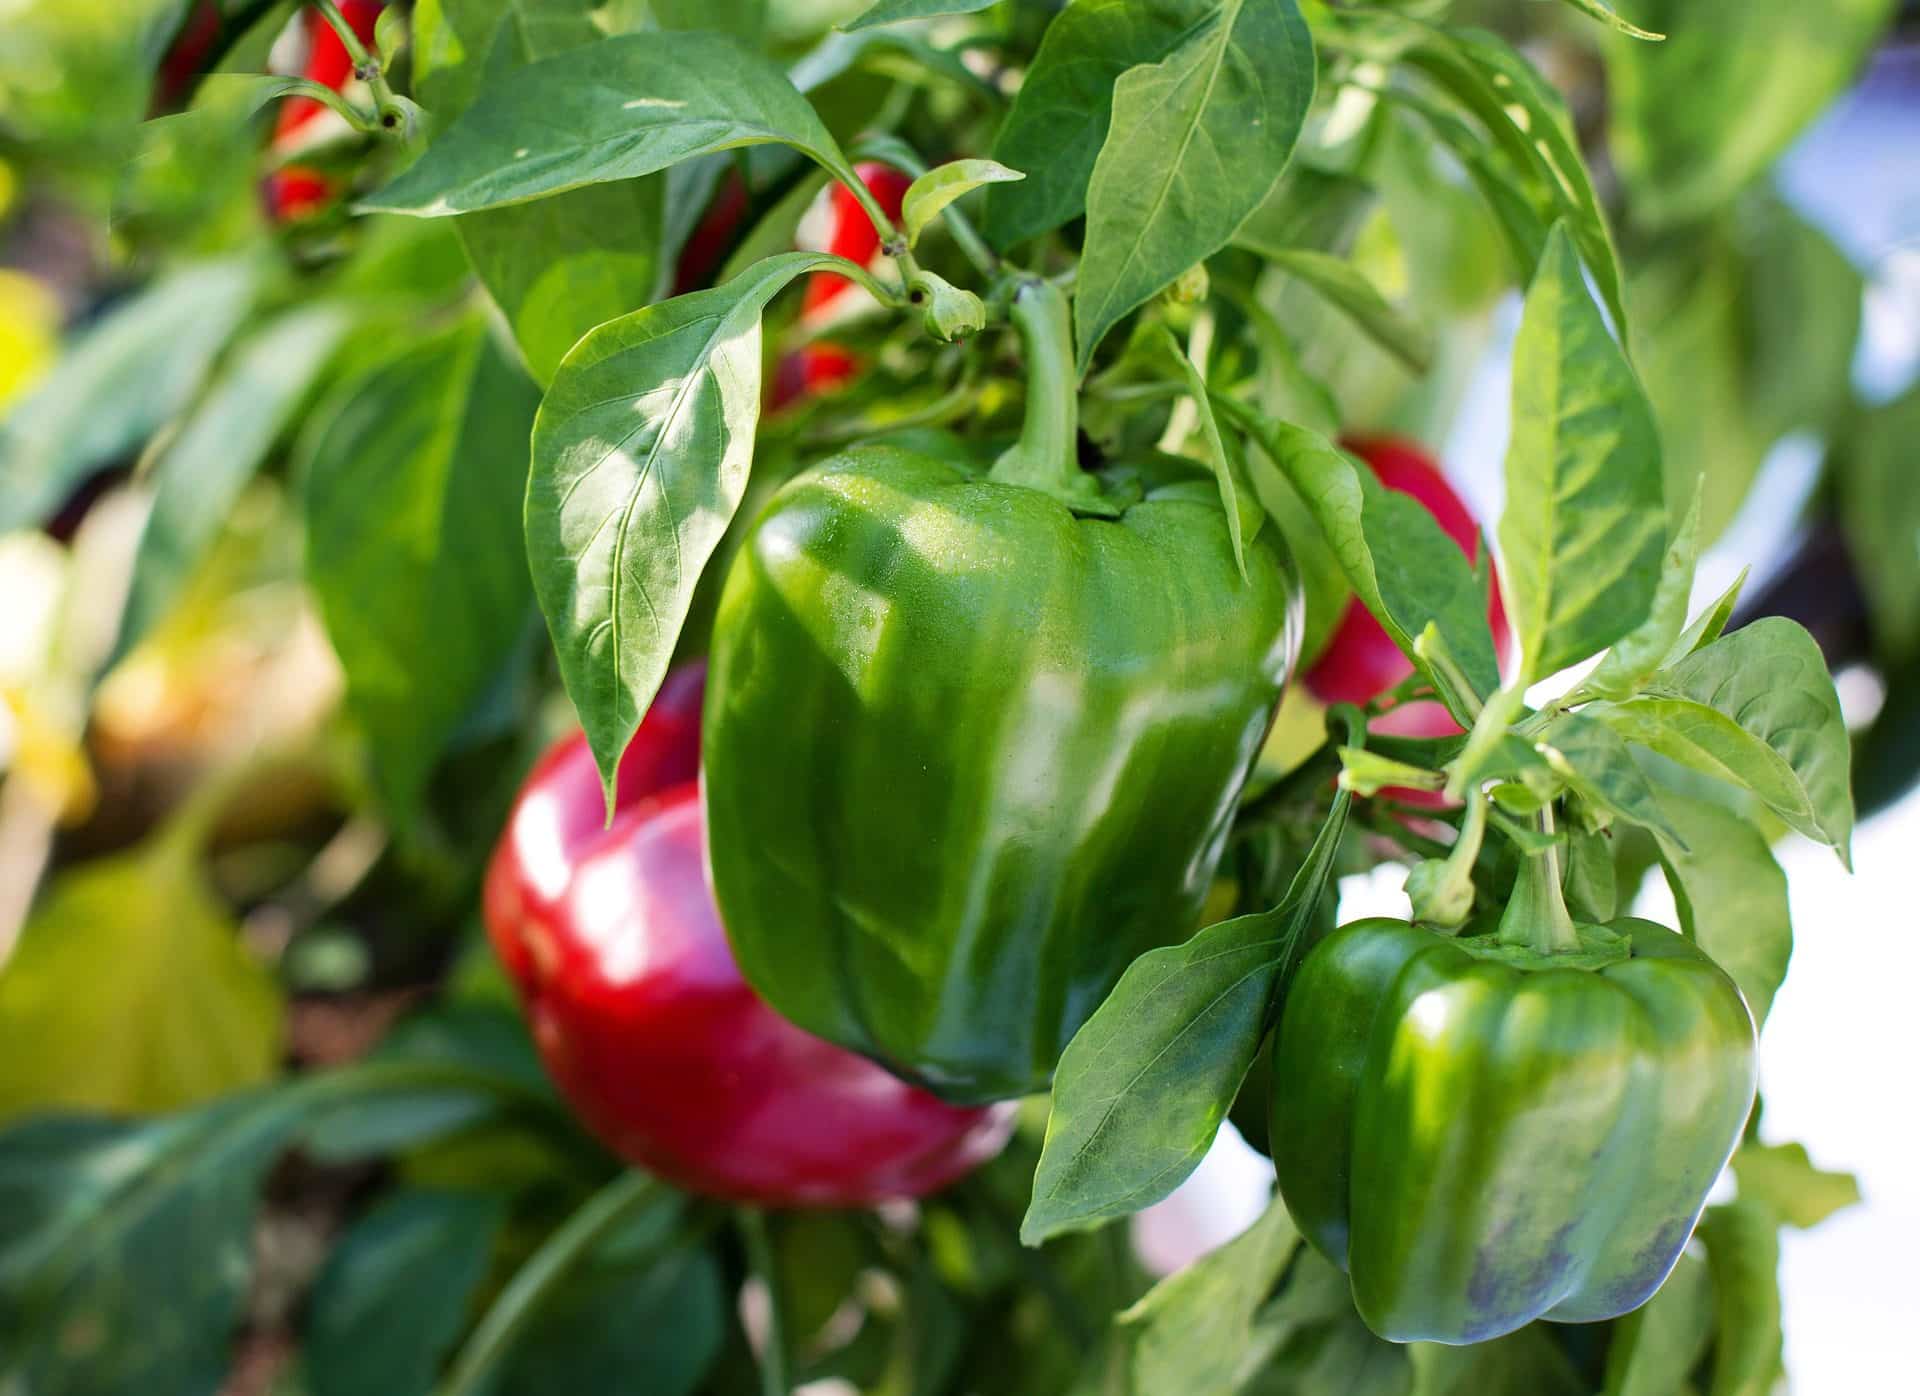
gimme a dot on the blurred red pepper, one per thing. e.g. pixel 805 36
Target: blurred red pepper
pixel 1360 662
pixel 294 192
pixel 180 68
pixel 645 1022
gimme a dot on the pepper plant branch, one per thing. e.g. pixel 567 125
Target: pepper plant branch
pixel 1537 917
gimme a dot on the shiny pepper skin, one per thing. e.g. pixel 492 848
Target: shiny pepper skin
pixel 1481 1142
pixel 968 753
pixel 643 1019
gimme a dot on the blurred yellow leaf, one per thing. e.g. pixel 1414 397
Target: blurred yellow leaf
pixel 29 333
pixel 130 991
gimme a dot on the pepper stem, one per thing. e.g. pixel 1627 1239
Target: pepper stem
pixel 1537 917
pixel 1046 457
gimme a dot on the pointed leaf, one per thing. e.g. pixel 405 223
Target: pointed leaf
pixel 1636 656
pixel 893 11
pixel 1731 895
pixel 1144 1084
pixel 414 489
pixel 640 456
pixel 612 110
pixel 1336 279
pixel 1584 531
pixel 1771 678
pixel 1196 141
pixel 941 185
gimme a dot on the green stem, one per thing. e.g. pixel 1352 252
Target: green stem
pixel 390 116
pixel 1046 457
pixel 892 297
pixel 520 1301
pixel 1537 917
pixel 1489 727
pixel 774 1378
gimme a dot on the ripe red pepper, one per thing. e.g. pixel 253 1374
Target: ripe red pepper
pixel 294 192
pixel 180 68
pixel 1360 662
pixel 644 1021
pixel 821 367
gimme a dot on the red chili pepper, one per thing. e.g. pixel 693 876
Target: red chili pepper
pixel 294 192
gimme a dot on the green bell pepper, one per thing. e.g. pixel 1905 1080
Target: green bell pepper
pixel 974 741
pixel 1482 1134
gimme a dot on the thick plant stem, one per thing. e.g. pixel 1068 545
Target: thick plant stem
pixel 1046 457
pixel 1537 917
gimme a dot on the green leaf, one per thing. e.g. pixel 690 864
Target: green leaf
pixel 1731 895
pixel 1224 456
pixel 941 185
pixel 1144 1084
pixel 1597 9
pixel 1344 287
pixel 1880 512
pixel 893 11
pixel 1710 624
pixel 1783 1177
pixel 455 43
pixel 612 110
pixel 1309 1341
pixel 203 469
pixel 1535 176
pixel 1743 1254
pixel 1599 767
pixel 132 985
pixel 395 1291
pixel 128 1247
pixel 1061 114
pixel 1192 1330
pixel 414 488
pixel 1697 736
pixel 1770 678
pixel 120 382
pixel 1195 142
pixel 1656 1348
pixel 1652 645
pixel 746 19
pixel 1405 569
pixel 626 1308
pixel 1584 531
pixel 640 457
pixel 560 266
pixel 1695 119
pixel 1526 1363
pixel 1592 886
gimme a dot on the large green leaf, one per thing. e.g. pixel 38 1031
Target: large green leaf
pixel 1599 766
pixel 612 110
pixel 201 472
pixel 132 987
pixel 414 488
pixel 1342 285
pixel 1731 895
pixel 1060 116
pixel 1782 1176
pixel 1534 175
pixel 1770 678
pixel 395 1291
pixel 1308 1340
pixel 1584 531
pixel 1192 1330
pixel 128 1248
pixel 1526 1363
pixel 1743 1254
pixel 640 457
pixel 1880 511
pixel 119 383
pixel 558 266
pixel 1654 643
pixel 1144 1084
pixel 1698 117
pixel 1195 142
pixel 1656 1347
pixel 1405 569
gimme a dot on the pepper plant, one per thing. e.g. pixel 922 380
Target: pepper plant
pixel 954 489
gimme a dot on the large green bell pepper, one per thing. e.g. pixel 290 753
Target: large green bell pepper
pixel 973 741
pixel 1482 1136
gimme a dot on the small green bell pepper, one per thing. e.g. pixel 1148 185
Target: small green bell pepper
pixel 974 740
pixel 1483 1135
